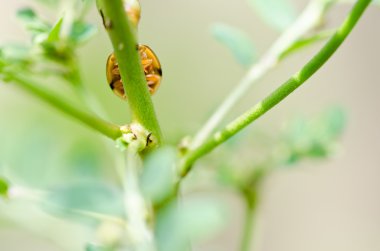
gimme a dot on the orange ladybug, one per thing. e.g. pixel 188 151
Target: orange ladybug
pixel 152 71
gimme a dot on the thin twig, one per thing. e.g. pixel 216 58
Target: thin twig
pixel 110 130
pixel 280 93
pixel 308 20
pixel 140 234
pixel 248 224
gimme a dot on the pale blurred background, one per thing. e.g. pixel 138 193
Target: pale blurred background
pixel 324 205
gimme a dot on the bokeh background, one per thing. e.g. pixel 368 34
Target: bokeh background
pixel 332 204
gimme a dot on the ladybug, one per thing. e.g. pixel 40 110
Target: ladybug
pixel 133 10
pixel 152 71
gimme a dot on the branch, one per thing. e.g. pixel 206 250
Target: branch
pixel 280 93
pixel 110 130
pixel 248 225
pixel 137 211
pixel 123 38
pixel 308 20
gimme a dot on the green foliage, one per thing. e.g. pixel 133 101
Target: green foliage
pixel 4 187
pixel 53 48
pixel 302 139
pixel 54 33
pixel 94 247
pixel 14 57
pixel 307 41
pixel 81 186
pixel 34 166
pixel 194 220
pixel 82 32
pixel 237 41
pixel 85 158
pixel 277 13
pixel 315 138
pixel 75 199
pixel 35 25
pixel 158 176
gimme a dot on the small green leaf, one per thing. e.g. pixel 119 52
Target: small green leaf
pixel 81 32
pixel 3 64
pixel 194 219
pixel 27 14
pixel 84 159
pixel 15 52
pixel 87 196
pixel 92 247
pixel 4 187
pixel 32 22
pixel 335 120
pixel 277 13
pixel 54 34
pixel 315 138
pixel 14 56
pixel 158 177
pixel 237 41
pixel 307 41
pixel 96 247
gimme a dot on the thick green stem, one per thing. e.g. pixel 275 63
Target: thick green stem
pixel 280 93
pixel 110 130
pixel 123 38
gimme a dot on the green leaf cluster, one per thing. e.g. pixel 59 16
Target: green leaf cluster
pixel 194 220
pixel 315 138
pixel 158 176
pixel 85 200
pixel 301 139
pixel 53 46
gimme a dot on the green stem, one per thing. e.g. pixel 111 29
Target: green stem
pixel 280 93
pixel 308 20
pixel 248 224
pixel 110 130
pixel 123 38
pixel 137 210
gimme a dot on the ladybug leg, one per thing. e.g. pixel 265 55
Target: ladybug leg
pixel 153 81
pixel 146 64
pixel 141 49
pixel 116 71
pixel 118 89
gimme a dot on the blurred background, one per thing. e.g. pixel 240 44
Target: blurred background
pixel 331 204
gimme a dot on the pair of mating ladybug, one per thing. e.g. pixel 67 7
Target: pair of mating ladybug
pixel 149 60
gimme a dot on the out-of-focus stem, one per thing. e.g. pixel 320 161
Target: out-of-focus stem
pixel 280 93
pixel 308 20
pixel 248 224
pixel 108 129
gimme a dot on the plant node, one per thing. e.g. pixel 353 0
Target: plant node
pixel 136 137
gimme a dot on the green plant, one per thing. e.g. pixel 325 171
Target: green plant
pixel 139 210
